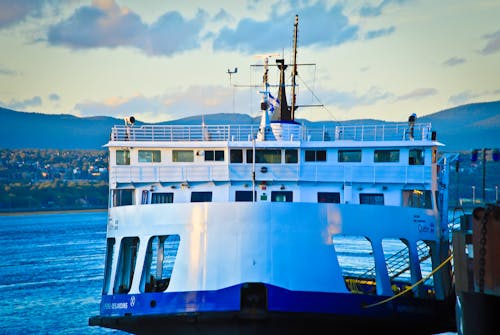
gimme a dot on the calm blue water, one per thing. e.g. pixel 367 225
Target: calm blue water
pixel 51 271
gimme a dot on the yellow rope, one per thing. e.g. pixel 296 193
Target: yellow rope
pixel 413 286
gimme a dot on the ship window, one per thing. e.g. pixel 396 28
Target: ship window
pixel 270 156
pixel 250 156
pixel 122 197
pixel 282 196
pixel 331 197
pixel 291 156
pixel 159 263
pixel 110 250
pixel 162 198
pixel 244 196
pixel 122 157
pixel 149 156
pixel 214 155
pixel 417 198
pixel 371 198
pixel 126 264
pixel 236 156
pixel 386 156
pixel 183 156
pixel 315 155
pixel 201 196
pixel 349 156
pixel 416 157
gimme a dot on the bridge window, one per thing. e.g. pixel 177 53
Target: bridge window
pixel 126 264
pixel 282 196
pixel 371 198
pixel 417 198
pixel 269 156
pixel 159 263
pixel 122 197
pixel 214 155
pixel 183 156
pixel 149 156
pixel 162 198
pixel 330 197
pixel 236 156
pixel 291 156
pixel 386 156
pixel 416 157
pixel 201 196
pixel 244 196
pixel 122 157
pixel 315 155
pixel 349 156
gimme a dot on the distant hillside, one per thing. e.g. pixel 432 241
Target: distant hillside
pixel 461 128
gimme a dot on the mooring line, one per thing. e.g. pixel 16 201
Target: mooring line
pixel 413 286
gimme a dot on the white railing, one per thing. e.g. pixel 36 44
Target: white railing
pixel 175 133
pixel 274 172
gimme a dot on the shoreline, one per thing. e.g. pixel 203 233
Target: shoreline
pixel 56 211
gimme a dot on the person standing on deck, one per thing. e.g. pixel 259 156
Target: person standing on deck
pixel 411 124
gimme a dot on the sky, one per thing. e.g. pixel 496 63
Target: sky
pixel 165 60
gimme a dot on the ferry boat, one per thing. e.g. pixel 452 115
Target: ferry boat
pixel 229 229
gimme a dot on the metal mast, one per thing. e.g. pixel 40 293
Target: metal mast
pixel 294 72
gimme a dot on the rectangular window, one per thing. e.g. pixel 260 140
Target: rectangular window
pixel 291 156
pixel 110 250
pixel 214 155
pixel 349 156
pixel 269 156
pixel 244 196
pixel 282 196
pixel 159 263
pixel 371 198
pixel 416 157
pixel 126 265
pixel 162 198
pixel 183 156
pixel 149 156
pixel 250 156
pixel 122 197
pixel 315 156
pixel 201 196
pixel 417 198
pixel 330 197
pixel 122 157
pixel 236 156
pixel 386 156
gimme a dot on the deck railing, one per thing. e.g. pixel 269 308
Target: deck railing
pixel 176 133
pixel 275 172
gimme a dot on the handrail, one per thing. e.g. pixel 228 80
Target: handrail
pixel 176 133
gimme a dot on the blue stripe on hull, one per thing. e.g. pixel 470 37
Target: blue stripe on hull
pixel 278 300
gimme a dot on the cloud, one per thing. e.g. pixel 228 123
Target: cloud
pixel 349 100
pixel 462 97
pixel 105 24
pixel 164 107
pixel 13 12
pixel 7 72
pixel 454 61
pixel 54 97
pixel 24 105
pixel 325 27
pixel 372 11
pixel 379 33
pixel 493 44
pixel 418 93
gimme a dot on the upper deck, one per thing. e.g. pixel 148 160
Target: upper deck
pixel 290 132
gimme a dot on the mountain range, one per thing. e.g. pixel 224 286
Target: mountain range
pixel 462 128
